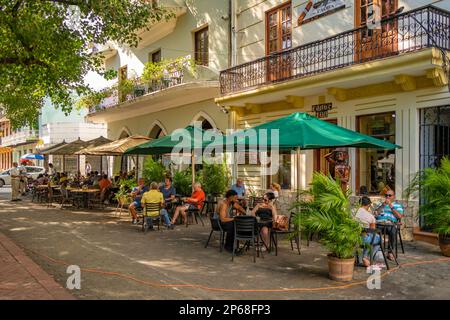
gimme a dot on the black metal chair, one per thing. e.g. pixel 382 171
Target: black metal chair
pixel 274 235
pixel 215 226
pixel 399 238
pixel 194 213
pixel 245 229
pixel 151 207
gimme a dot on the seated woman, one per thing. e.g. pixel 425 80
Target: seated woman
pixel 367 221
pixel 266 211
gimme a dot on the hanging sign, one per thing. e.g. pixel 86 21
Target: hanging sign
pixel 322 109
pixel 319 8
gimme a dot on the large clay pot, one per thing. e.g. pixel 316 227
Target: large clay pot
pixel 444 244
pixel 341 269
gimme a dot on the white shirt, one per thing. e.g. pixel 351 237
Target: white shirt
pixel 88 168
pixel 365 217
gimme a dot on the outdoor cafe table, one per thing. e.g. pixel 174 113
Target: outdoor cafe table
pixel 85 193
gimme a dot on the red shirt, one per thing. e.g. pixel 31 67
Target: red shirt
pixel 199 196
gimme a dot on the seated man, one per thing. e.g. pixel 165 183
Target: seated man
pixel 104 185
pixel 239 188
pixel 390 212
pixel 367 221
pixel 194 202
pixel 136 194
pixel 226 217
pixel 154 196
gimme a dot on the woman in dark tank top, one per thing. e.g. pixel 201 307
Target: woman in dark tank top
pixel 266 211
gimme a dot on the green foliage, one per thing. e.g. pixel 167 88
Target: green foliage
pixel 45 48
pixel 325 210
pixel 182 181
pixel 153 171
pixel 154 71
pixel 126 87
pixel 434 185
pixel 125 187
pixel 215 178
pixel 93 99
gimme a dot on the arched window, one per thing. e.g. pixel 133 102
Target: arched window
pixel 124 135
pixel 156 132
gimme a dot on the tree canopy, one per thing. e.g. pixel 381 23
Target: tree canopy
pixel 46 48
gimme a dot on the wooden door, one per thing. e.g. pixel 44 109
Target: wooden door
pixel 375 40
pixel 278 39
pixel 123 75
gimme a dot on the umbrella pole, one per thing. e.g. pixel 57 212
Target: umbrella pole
pixel 64 163
pixel 101 165
pixel 298 170
pixel 193 168
pixel 78 164
pixel 137 168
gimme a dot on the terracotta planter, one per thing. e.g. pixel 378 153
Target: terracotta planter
pixel 341 269
pixel 444 244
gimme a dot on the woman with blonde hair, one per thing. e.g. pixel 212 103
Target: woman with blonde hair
pixel 275 188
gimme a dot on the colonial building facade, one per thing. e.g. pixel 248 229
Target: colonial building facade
pixel 377 67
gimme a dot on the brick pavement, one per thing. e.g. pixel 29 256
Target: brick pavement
pixel 22 279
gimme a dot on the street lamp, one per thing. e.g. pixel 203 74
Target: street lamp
pixel 445 59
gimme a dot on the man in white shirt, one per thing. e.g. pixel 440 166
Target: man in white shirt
pixel 15 182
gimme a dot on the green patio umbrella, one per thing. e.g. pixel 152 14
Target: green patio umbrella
pixel 301 130
pixel 192 140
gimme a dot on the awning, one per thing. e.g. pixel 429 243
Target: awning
pixel 115 148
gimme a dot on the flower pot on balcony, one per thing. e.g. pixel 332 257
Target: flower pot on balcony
pixel 340 269
pixel 444 244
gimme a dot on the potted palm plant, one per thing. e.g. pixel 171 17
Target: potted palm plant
pixel 434 186
pixel 325 210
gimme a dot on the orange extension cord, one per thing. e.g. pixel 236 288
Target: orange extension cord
pixel 198 286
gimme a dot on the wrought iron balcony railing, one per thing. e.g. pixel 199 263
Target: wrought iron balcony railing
pixel 406 32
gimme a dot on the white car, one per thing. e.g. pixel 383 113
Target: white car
pixel 32 172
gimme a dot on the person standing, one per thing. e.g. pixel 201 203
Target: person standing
pixel 51 170
pixel 88 168
pixel 15 182
pixel 23 179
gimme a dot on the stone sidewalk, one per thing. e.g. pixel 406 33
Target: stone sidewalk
pixel 22 279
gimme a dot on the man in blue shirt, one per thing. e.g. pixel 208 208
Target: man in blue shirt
pixel 168 190
pixel 239 188
pixel 136 194
pixel 390 212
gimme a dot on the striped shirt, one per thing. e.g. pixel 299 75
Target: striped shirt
pixel 386 213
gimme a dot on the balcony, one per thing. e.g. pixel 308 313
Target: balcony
pixel 178 86
pixel 19 138
pixel 412 31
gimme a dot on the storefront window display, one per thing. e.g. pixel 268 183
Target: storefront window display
pixel 376 168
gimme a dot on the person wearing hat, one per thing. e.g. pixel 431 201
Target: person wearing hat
pixel 367 221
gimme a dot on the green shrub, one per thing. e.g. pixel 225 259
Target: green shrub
pixel 182 181
pixel 215 178
pixel 326 211
pixel 153 170
pixel 434 185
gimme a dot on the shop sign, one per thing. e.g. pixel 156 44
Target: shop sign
pixel 319 8
pixel 322 109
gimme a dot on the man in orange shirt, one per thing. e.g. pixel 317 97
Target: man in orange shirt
pixel 194 202
pixel 104 183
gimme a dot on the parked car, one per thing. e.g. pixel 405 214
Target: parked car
pixel 32 172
